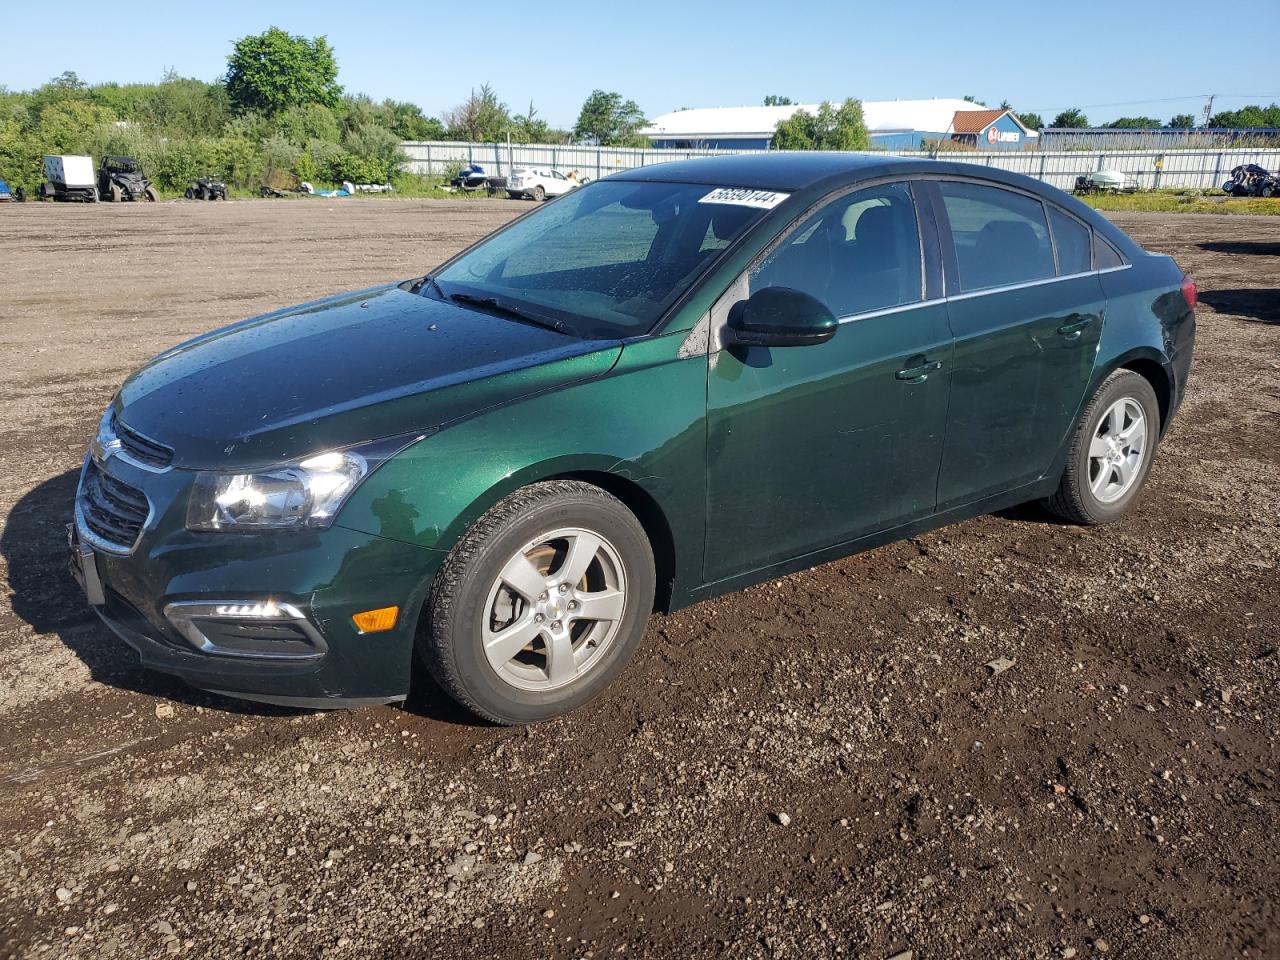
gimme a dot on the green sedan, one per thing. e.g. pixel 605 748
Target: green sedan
pixel 661 387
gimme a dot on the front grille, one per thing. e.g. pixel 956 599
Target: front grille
pixel 113 511
pixel 141 448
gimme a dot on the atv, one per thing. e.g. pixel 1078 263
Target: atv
pixel 1251 180
pixel 120 178
pixel 207 188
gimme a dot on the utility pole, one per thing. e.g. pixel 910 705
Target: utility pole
pixel 1208 110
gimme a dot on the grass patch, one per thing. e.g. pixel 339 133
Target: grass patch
pixel 1181 201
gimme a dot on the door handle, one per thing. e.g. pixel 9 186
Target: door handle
pixel 1075 326
pixel 918 374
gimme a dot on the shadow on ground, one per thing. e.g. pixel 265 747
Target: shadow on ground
pixel 1256 248
pixel 1257 304
pixel 33 541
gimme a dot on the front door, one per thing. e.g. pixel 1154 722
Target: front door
pixel 815 445
pixel 1026 324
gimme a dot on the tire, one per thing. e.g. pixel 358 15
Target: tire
pixel 470 589
pixel 1085 496
pixel 539 194
pixel 1268 190
pixel 116 193
pixel 190 194
pixel 150 194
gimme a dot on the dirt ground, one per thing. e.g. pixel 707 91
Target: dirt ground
pixel 1114 792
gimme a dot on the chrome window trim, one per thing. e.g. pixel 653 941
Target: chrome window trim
pixel 885 311
pixel 183 613
pixel 970 294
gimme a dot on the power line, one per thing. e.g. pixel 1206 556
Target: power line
pixel 1130 103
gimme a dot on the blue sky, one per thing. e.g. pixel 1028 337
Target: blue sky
pixel 666 55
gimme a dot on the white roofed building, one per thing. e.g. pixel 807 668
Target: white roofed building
pixel 893 124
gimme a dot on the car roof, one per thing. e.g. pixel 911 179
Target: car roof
pixel 811 173
pixel 767 170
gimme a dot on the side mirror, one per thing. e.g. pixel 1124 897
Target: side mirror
pixel 781 317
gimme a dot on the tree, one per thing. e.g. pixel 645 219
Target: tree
pixel 970 98
pixel 832 128
pixel 481 118
pixel 773 100
pixel 1250 116
pixel 530 128
pixel 1133 123
pixel 1031 121
pixel 608 120
pixel 1071 118
pixel 408 122
pixel 1184 121
pixel 274 70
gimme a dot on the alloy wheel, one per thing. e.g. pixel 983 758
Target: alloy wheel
pixel 1115 453
pixel 554 609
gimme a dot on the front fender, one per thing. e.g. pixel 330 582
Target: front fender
pixel 641 424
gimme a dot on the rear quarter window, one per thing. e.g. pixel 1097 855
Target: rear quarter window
pixel 1105 256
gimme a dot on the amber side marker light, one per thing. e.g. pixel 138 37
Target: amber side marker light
pixel 375 621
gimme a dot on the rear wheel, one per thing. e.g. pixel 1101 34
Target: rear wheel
pixel 1111 452
pixel 190 194
pixel 541 604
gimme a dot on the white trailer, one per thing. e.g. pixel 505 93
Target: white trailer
pixel 69 178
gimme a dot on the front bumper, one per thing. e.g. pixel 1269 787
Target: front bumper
pixel 319 577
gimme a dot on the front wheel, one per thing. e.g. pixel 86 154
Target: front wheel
pixel 541 604
pixel 150 194
pixel 539 193
pixel 1111 452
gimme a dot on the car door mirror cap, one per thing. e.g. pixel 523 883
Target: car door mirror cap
pixel 781 317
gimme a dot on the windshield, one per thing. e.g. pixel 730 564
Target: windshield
pixel 607 259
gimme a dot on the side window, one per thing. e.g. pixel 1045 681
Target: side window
pixel 1000 236
pixel 1105 256
pixel 1071 237
pixel 859 253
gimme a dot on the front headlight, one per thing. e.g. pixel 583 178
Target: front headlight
pixel 307 494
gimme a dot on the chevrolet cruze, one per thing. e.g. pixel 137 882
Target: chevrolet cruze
pixel 663 386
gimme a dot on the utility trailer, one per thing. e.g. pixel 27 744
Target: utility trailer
pixel 68 178
pixel 1107 181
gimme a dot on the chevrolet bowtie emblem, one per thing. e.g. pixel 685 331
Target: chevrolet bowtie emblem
pixel 103 449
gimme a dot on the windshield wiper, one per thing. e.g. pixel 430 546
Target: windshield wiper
pixel 428 281
pixel 515 313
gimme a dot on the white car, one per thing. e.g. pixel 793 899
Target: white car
pixel 538 183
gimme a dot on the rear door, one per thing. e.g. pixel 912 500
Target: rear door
pixel 1027 315
pixel 812 446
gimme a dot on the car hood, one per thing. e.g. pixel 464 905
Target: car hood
pixel 358 366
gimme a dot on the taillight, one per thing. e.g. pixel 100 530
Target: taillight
pixel 1189 292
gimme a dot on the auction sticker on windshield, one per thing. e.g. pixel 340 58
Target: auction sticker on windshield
pixel 742 197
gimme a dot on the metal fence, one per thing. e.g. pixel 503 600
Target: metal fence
pixel 437 157
pixel 1201 138
pixel 1153 169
